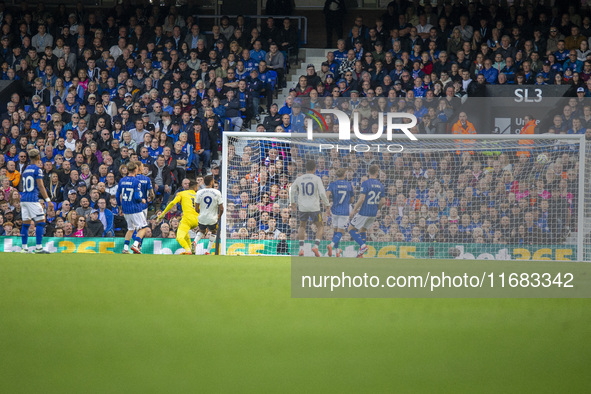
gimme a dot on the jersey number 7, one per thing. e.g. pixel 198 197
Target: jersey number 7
pixel 343 194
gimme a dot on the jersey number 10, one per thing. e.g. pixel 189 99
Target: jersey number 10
pixel 308 189
pixel 29 184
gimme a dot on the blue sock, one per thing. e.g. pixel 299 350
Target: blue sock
pixel 134 236
pixel 25 234
pixel 363 236
pixel 39 227
pixel 336 238
pixel 356 237
pixel 126 242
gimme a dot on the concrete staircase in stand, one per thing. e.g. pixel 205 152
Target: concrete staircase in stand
pixel 306 56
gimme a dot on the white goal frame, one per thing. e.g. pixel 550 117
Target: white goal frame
pixel 583 227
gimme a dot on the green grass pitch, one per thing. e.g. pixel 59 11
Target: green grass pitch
pixel 177 324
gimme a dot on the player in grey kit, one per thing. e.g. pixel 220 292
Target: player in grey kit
pixel 305 193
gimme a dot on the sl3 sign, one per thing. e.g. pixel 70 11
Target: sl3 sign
pixel 528 95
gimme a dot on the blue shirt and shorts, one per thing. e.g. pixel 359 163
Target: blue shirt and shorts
pixel 373 191
pixel 341 192
pixel 146 186
pixel 129 197
pixel 31 208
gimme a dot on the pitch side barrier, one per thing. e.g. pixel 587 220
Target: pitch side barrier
pixel 401 250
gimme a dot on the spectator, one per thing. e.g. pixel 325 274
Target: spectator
pixel 161 180
pixel 14 177
pixel 106 217
pixel 276 62
pixel 573 41
pixel 94 226
pixel 42 39
pixel 490 74
pixel 462 126
pixel 287 38
pixel 81 230
pixel 84 209
pixel 232 105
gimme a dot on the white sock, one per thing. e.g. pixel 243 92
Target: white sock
pixel 211 241
pixel 136 244
pixel 126 247
pixel 199 236
pixel 332 244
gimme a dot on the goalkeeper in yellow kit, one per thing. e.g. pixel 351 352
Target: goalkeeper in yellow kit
pixel 190 217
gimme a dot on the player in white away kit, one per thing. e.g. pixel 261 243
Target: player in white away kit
pixel 210 206
pixel 307 191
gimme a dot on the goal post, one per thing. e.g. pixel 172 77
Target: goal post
pixel 498 196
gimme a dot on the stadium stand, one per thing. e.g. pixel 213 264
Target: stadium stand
pixel 101 88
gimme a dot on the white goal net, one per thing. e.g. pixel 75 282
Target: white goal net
pixel 444 196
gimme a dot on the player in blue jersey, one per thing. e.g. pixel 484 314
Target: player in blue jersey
pixel 341 192
pixel 146 186
pixel 31 208
pixel 147 192
pixel 129 198
pixel 364 213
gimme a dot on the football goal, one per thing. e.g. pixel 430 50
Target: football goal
pixel 444 196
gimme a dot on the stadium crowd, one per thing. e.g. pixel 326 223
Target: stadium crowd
pixel 101 88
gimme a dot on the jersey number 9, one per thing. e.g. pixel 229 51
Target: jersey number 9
pixel 207 200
